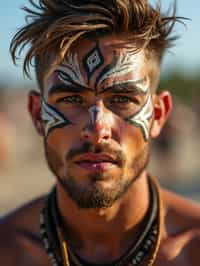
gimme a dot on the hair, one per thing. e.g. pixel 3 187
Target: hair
pixel 55 25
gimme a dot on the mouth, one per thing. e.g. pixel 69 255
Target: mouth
pixel 96 162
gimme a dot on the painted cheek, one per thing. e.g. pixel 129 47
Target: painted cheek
pixel 52 118
pixel 143 118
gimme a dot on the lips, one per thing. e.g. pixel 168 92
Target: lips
pixel 96 157
pixel 96 161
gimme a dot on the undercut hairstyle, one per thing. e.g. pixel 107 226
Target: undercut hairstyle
pixel 53 26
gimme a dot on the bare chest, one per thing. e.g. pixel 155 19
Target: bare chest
pixel 34 254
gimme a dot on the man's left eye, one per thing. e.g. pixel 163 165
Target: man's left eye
pixel 121 99
pixel 71 99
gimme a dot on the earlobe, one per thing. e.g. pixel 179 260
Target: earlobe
pixel 34 108
pixel 162 110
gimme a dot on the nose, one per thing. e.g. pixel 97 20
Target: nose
pixel 99 125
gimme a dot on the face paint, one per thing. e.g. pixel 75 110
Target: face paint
pixel 93 60
pixel 96 114
pixel 69 71
pixel 141 85
pixel 52 118
pixel 121 65
pixel 142 118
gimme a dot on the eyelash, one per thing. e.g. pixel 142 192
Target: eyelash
pixel 123 99
pixel 117 99
pixel 77 99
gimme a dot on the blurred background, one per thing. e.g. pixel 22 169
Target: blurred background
pixel 175 157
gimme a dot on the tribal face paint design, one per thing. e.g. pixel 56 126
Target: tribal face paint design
pixel 96 114
pixel 52 118
pixel 142 85
pixel 92 61
pixel 69 71
pixel 143 117
pixel 120 66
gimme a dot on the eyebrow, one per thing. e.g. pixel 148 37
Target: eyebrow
pixel 62 88
pixel 129 86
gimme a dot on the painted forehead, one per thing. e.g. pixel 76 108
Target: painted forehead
pixel 102 67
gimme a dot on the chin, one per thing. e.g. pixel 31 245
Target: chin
pixel 99 191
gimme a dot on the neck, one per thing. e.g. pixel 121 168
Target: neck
pixel 107 232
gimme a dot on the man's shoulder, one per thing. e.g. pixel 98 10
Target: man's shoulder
pixel 25 216
pixel 182 221
pixel 193 247
pixel 185 212
pixel 19 232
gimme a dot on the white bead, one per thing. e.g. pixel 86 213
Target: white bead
pixel 134 261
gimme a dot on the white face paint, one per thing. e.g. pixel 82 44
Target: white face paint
pixel 121 66
pixel 69 71
pixel 93 60
pixel 143 117
pixel 96 115
pixel 117 71
pixel 142 85
pixel 52 118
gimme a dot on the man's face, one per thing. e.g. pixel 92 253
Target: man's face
pixel 97 111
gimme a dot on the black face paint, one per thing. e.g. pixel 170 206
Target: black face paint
pixel 52 118
pixel 142 118
pixel 106 70
pixel 69 71
pixel 121 65
pixel 92 61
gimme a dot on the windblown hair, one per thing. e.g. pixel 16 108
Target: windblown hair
pixel 54 25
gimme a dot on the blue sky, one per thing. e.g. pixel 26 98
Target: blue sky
pixel 186 54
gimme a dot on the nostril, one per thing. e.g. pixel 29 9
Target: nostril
pixel 106 137
pixel 96 133
pixel 104 133
pixel 85 135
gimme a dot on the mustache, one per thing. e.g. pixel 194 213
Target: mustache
pixel 100 148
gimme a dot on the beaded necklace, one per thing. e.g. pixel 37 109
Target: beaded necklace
pixel 60 254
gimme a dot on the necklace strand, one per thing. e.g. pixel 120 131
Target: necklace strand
pixel 150 237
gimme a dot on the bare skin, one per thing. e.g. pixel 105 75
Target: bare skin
pixel 21 244
pixel 95 112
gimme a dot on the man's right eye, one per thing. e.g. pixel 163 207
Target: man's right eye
pixel 74 99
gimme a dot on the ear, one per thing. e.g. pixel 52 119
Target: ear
pixel 34 108
pixel 162 110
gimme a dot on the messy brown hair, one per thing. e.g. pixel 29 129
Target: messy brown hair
pixel 54 25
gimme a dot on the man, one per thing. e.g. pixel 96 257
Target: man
pixel 98 64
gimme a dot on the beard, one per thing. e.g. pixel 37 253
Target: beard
pixel 94 194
